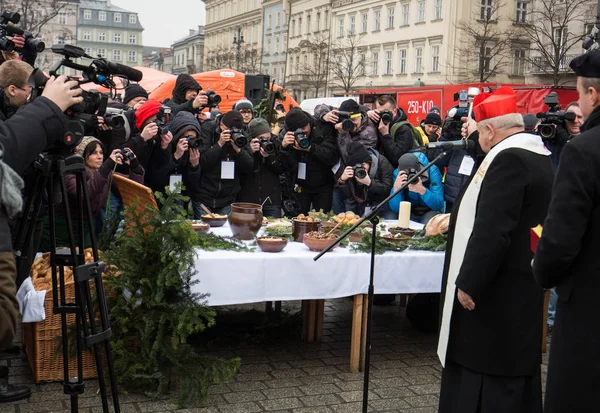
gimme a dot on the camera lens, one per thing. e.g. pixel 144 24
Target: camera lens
pixel 348 125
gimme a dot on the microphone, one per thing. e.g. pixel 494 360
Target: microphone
pixel 12 30
pixel 462 144
pixel 122 70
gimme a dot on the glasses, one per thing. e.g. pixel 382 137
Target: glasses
pixel 246 112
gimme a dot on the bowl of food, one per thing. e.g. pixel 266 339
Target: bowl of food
pixel 302 225
pixel 214 220
pixel 404 231
pixel 200 226
pixel 395 238
pixel 271 243
pixel 317 241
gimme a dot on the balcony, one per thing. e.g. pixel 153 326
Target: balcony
pixel 540 65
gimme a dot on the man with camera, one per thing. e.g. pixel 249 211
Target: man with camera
pixel 14 90
pixel 262 185
pixel 309 155
pixel 151 119
pixel 431 128
pixel 187 95
pixel 224 155
pixel 558 127
pixel 29 131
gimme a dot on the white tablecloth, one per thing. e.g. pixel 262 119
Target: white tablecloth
pixel 242 277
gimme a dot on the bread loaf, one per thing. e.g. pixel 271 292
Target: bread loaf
pixel 437 225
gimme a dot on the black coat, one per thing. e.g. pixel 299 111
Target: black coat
pixel 567 257
pixel 393 147
pixel 502 335
pixel 263 182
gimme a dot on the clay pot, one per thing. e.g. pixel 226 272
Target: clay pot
pixel 301 227
pixel 245 220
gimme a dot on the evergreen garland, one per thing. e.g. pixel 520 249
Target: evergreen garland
pixel 153 310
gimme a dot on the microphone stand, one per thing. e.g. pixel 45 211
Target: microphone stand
pixel 374 219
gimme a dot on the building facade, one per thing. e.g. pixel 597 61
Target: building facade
pixel 108 31
pixel 275 38
pixel 188 53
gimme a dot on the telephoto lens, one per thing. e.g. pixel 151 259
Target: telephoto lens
pixel 239 137
pixel 301 139
pixel 359 171
pixel 267 146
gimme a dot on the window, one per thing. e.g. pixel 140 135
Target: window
pixel 374 63
pixel 402 61
pixel 364 18
pixel 435 58
pixel 88 50
pixel 521 12
pixel 269 45
pixel 102 52
pixel 102 37
pixel 275 74
pixel 300 26
pixel 277 44
pixel 87 15
pixel 326 18
pixel 421 12
pixel 560 40
pixel 437 9
pixel 132 56
pixel 377 16
pixel 278 20
pixel 59 40
pixel 486 9
pixel 269 21
pixel 132 19
pixel 318 22
pixel 87 35
pixel 390 24
pixel 362 65
pixel 62 18
pixel 587 29
pixel 519 62
pixel 485 59
pixel 116 54
pixel 352 24
pixel 419 60
pixel 341 27
pixel 405 14
pixel 388 63
pixel 102 16
pixel 308 25
pixel 117 18
pixel 293 28
pixel 117 38
pixel 132 39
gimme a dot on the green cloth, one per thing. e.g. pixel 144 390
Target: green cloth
pixel 62 237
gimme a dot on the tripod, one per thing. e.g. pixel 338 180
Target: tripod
pixel 51 169
pixel 374 219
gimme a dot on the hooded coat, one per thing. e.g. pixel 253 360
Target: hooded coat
pixel 178 103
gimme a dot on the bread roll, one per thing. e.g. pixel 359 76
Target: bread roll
pixel 437 225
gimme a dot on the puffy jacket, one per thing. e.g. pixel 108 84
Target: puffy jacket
pixel 433 198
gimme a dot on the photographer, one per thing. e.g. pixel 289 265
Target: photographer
pixel 145 143
pixel 564 133
pixel 246 109
pixel 366 181
pixel 398 136
pixel 431 128
pixel 14 90
pixel 22 138
pixel 262 186
pixel 187 96
pixel 222 161
pixel 426 196
pixel 309 155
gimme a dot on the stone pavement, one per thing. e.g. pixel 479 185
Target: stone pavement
pixel 294 376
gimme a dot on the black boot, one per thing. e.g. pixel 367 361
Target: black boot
pixel 11 393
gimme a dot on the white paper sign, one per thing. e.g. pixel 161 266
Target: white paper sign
pixel 336 167
pixel 173 179
pixel 227 170
pixel 466 166
pixel 302 170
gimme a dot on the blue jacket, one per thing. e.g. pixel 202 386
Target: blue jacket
pixel 434 194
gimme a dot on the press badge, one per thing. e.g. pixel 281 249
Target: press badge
pixel 173 179
pixel 227 170
pixel 302 170
pixel 466 166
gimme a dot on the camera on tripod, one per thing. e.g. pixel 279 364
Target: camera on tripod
pixel 239 137
pixel 346 119
pixel 453 122
pixel 359 171
pixel 267 146
pixel 213 99
pixel 555 117
pixel 301 139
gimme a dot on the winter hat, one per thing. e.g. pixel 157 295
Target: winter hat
pixel 243 104
pixel 80 149
pixel 357 154
pixel 233 119
pixel 184 83
pixel 350 106
pixel 410 161
pixel 146 110
pixel 182 122
pixel 296 119
pixel 257 127
pixel 437 108
pixel 433 119
pixel 530 121
pixel 134 91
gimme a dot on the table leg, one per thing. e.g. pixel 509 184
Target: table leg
pixel 319 319
pixel 545 320
pixel 356 337
pixel 363 336
pixel 305 318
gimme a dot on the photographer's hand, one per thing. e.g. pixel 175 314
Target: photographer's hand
pixel 373 115
pixel 347 174
pixel 400 180
pixel 127 161
pixel 417 187
pixel 200 100
pixel 194 157
pixel 288 140
pixel 116 156
pixel 383 128
pixel 149 132
pixel 365 181
pixel 254 145
pixel 63 92
pixel 331 117
pixel 165 140
pixel 298 148
pixel 182 146
pixel 18 40
pixel 224 138
pixel 102 125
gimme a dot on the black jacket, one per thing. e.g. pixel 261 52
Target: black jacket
pixel 178 103
pixel 393 147
pixel 6 110
pixel 502 335
pixel 567 258
pixel 211 189
pixel 263 182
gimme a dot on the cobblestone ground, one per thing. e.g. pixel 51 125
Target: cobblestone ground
pixel 293 377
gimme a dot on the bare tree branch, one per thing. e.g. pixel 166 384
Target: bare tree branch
pixel 314 71
pixel 347 64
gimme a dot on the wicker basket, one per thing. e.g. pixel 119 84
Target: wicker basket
pixel 43 344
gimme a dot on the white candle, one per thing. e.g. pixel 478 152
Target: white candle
pixel 404 214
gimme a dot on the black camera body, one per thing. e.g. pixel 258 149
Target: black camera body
pixel 452 127
pixel 347 123
pixel 239 137
pixel 32 45
pixel 267 146
pixel 162 120
pixel 552 119
pixel 8 30
pixel 386 117
pixel 213 99
pixel 194 142
pixel 115 118
pixel 411 173
pixel 359 171
pixel 127 154
pixel 301 139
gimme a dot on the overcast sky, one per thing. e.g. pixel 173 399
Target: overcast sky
pixel 165 21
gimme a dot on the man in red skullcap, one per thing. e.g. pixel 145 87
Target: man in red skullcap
pixel 491 329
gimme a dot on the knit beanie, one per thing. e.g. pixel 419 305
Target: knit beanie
pixel 357 154
pixel 350 106
pixel 145 111
pixel 296 119
pixel 243 104
pixel 257 127
pixel 80 149
pixel 433 119
pixel 233 119
pixel 134 91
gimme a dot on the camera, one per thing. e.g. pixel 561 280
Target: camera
pixel 555 117
pixel 301 139
pixel 162 118
pixel 239 137
pixel 347 123
pixel 267 146
pixel 386 117
pixel 194 142
pixel 213 99
pixel 411 173
pixel 359 171
pixel 115 118
pixel 127 154
pixel 453 123
pixel 8 30
pixel 32 45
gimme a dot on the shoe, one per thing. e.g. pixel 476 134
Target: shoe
pixel 10 393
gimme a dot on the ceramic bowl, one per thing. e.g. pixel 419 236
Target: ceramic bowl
pixel 391 238
pixel 271 244
pixel 404 231
pixel 317 245
pixel 214 222
pixel 200 226
pixel 299 228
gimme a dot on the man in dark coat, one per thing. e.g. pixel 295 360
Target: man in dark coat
pixel 187 95
pixel 567 256
pixel 491 331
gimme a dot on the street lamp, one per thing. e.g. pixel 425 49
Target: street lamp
pixel 238 41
